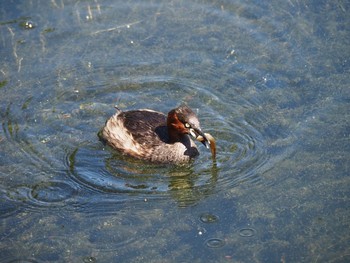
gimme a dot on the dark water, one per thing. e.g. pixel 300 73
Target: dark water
pixel 270 81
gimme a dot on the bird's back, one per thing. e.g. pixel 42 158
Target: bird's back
pixel 144 134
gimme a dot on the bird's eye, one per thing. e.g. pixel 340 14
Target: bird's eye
pixel 187 125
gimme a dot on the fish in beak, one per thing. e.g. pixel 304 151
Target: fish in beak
pixel 205 138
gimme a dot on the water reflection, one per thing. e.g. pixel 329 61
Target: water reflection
pixel 117 174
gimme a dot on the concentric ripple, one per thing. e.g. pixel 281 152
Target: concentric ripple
pixel 52 192
pixel 57 130
pixel 215 243
pixel 125 177
pixel 55 194
pixel 240 147
pixel 247 232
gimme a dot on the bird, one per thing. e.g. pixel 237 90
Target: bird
pixel 155 137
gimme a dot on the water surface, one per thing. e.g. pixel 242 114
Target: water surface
pixel 269 80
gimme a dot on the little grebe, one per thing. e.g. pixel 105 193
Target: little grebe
pixel 150 135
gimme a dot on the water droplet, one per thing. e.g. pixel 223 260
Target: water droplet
pixel 28 25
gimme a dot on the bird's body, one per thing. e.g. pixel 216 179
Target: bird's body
pixel 153 136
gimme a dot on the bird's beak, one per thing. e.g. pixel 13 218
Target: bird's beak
pixel 199 136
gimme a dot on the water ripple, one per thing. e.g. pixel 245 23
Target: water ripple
pixel 21 261
pixel 7 209
pixel 242 152
pixel 216 82
pixel 241 146
pixel 127 178
pixel 54 194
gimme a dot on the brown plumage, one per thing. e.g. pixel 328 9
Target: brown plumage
pixel 152 136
